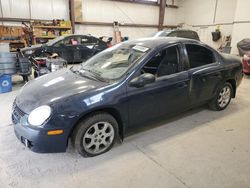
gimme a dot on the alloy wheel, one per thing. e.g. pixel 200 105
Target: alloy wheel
pixel 224 96
pixel 98 137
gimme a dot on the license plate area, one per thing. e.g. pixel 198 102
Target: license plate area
pixel 26 142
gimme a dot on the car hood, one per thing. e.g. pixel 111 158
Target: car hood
pixel 53 87
pixel 33 47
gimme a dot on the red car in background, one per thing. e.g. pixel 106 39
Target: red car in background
pixel 246 63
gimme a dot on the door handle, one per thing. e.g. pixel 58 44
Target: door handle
pixel 181 85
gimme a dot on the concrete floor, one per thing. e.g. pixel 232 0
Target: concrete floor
pixel 199 148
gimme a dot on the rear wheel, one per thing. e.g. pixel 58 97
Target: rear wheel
pixel 95 135
pixel 223 97
pixel 35 74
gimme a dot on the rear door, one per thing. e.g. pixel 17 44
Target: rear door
pixel 99 45
pixel 204 70
pixel 87 47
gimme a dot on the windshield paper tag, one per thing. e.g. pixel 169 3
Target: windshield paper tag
pixel 140 48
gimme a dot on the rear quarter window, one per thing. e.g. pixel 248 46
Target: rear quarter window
pixel 173 34
pixel 188 35
pixel 199 55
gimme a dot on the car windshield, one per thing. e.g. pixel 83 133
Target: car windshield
pixel 55 40
pixel 113 63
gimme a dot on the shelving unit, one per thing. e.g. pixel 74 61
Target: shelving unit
pixel 42 32
pixel 51 27
pixel 13 35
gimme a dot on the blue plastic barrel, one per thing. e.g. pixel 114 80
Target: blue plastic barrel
pixel 5 83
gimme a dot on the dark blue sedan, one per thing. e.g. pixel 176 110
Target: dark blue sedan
pixel 130 84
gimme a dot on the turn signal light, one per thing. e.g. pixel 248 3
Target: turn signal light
pixel 55 132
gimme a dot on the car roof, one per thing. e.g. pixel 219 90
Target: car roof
pixel 179 29
pixel 70 35
pixel 152 42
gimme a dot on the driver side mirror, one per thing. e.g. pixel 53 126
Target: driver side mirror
pixel 142 80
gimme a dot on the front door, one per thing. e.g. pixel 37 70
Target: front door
pixel 68 49
pixel 168 94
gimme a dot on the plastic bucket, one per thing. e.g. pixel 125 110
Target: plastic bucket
pixel 5 83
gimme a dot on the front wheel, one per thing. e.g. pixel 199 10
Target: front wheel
pixel 95 135
pixel 222 98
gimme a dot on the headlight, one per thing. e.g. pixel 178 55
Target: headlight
pixel 39 115
pixel 29 52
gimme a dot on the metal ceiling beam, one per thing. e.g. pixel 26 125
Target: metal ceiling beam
pixel 161 14
pixel 20 20
pixel 110 24
pixel 89 23
pixel 144 2
pixel 72 14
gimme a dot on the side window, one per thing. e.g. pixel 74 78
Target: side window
pixel 195 36
pixel 173 34
pixel 188 34
pixel 86 40
pixel 182 34
pixel 192 35
pixel 72 41
pixel 199 56
pixel 163 63
pixel 59 43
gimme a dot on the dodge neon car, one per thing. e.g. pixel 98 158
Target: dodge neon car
pixel 124 86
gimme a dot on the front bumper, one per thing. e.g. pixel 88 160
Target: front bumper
pixel 38 141
pixel 36 138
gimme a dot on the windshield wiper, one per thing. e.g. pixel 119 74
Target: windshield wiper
pixel 95 74
pixel 80 73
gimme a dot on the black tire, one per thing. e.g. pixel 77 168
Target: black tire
pixel 214 104
pixel 25 78
pixel 35 74
pixel 78 139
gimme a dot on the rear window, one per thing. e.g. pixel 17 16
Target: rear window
pixel 184 34
pixel 199 55
pixel 192 35
pixel 173 34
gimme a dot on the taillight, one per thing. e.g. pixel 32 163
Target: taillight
pixel 246 57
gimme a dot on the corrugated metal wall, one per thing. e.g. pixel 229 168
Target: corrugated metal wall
pixel 35 9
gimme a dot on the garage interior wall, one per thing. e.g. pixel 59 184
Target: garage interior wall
pixel 231 15
pixel 34 9
pixel 203 16
pixel 241 28
pixel 106 11
pixel 132 13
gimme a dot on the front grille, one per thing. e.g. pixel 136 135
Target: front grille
pixel 17 114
